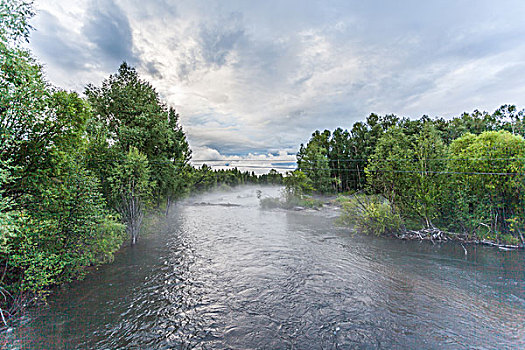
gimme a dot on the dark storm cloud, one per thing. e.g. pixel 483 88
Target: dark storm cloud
pixel 53 45
pixel 153 69
pixel 108 28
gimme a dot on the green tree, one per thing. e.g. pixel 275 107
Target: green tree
pixel 54 221
pixel 509 118
pixel 64 228
pixel 410 174
pixel 24 123
pixel 313 161
pixel 428 191
pixel 172 182
pixel 131 190
pixel 390 168
pixel 7 222
pixel 129 114
pixel 488 182
pixel 296 184
pixel 359 154
pixel 339 155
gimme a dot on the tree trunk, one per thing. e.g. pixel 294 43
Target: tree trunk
pixel 132 214
pixel 168 204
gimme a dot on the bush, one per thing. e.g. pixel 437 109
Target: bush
pixel 371 215
pixel 289 202
pixel 310 202
pixel 270 203
pixel 341 199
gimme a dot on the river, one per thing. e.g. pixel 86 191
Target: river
pixel 226 276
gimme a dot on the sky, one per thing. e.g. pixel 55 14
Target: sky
pixel 252 80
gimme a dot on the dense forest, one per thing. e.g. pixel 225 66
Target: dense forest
pixel 78 174
pixel 464 175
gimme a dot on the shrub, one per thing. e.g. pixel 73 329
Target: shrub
pixel 270 203
pixel 310 202
pixel 287 201
pixel 371 215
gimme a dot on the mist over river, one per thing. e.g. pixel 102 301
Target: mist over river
pixel 222 273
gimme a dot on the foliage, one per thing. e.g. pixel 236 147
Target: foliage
pixel 409 174
pixel 62 224
pixel 463 174
pixel 271 178
pixel 131 190
pixel 54 220
pixel 294 194
pixel 296 184
pixel 129 117
pixel 427 192
pixel 270 203
pixel 14 20
pixel 7 221
pixel 205 178
pixel 488 182
pixel 370 215
pixel 63 228
pixel 389 166
pixel 290 202
pixel 312 160
pixel 348 151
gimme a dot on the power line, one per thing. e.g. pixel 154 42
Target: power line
pixel 341 160
pixel 349 160
pixel 271 165
pixel 390 171
pixel 244 160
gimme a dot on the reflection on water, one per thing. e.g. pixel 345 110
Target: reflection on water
pixel 227 276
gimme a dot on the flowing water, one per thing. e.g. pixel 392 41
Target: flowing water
pixel 235 276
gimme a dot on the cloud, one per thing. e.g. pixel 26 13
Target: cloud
pixel 108 28
pixel 281 161
pixel 81 42
pixel 153 68
pixel 52 43
pixel 219 40
pixel 259 77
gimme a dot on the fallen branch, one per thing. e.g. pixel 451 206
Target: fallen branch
pixel 3 318
pixel 521 237
pixel 501 246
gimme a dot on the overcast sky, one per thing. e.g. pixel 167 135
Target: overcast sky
pixel 260 76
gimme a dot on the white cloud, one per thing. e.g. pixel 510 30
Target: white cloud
pixel 282 161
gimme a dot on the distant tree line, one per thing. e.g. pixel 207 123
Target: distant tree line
pixel 465 174
pixel 205 178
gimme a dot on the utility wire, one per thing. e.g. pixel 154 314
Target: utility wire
pixel 386 170
pixel 341 160
pixel 349 160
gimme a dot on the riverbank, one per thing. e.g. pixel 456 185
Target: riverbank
pixel 376 212
pixel 433 235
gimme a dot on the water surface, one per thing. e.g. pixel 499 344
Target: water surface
pixel 225 276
